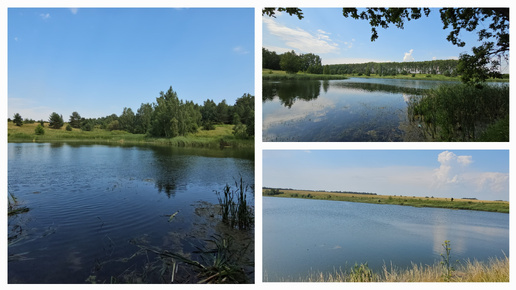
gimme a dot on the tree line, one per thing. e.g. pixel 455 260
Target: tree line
pixel 167 117
pixel 312 63
pixel 292 62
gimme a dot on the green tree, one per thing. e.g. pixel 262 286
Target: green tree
pixel 75 120
pixel 290 62
pixel 18 120
pixel 142 119
pixel 209 114
pixel 270 59
pixel 55 121
pixel 126 120
pixel 244 113
pixel 39 130
pixel 223 112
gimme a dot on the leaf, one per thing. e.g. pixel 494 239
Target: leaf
pixel 172 216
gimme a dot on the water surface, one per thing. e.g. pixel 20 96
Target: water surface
pixel 89 203
pixel 305 236
pixel 354 109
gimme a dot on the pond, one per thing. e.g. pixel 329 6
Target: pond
pixel 302 236
pixel 93 207
pixel 354 109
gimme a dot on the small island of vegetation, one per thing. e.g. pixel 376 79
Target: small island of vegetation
pixel 464 203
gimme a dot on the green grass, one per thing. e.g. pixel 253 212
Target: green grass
pixel 464 204
pixel 222 136
pixel 274 75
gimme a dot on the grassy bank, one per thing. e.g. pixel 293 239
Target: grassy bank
pixel 495 270
pixel 275 75
pixel 429 201
pixel 222 136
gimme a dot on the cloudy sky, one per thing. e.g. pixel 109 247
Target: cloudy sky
pixel 483 174
pixel 98 61
pixel 336 39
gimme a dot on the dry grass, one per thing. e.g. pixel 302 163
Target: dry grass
pixel 494 270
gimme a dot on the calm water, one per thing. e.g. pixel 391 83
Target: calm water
pixel 88 202
pixel 355 109
pixel 304 236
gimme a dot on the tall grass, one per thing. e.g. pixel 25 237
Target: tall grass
pixel 494 270
pixel 235 210
pixel 459 112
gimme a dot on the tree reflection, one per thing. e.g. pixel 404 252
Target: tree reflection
pixel 290 91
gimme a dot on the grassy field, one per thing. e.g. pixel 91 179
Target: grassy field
pixel 222 136
pixel 429 201
pixel 495 270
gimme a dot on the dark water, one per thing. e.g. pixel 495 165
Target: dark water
pixel 306 236
pixel 355 109
pixel 89 202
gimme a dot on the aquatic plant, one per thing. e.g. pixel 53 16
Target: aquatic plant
pixel 445 261
pixel 459 112
pixel 235 210
pixel 219 263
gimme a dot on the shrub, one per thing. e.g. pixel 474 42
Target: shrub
pixel 39 130
pixel 68 127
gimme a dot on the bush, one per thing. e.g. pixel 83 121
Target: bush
pixel 462 112
pixel 39 130
pixel 68 127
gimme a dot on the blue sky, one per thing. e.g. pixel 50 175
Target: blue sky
pixel 483 174
pixel 98 61
pixel 336 39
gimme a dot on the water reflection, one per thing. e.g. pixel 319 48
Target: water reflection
pixel 340 110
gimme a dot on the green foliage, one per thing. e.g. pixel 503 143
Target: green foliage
pixel 39 130
pixel 126 120
pixel 272 192
pixel 235 210
pixel 361 273
pixel 446 261
pixel 172 117
pixel 75 120
pixel 17 120
pixel 459 112
pixel 244 116
pixel 55 121
pixel 270 59
pixel 68 127
pixel 114 125
pixel 290 62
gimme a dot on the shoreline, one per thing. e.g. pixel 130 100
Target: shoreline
pixel 414 201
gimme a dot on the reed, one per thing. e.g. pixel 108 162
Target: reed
pixel 459 112
pixel 235 210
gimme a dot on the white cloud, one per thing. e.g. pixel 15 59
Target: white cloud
pixel 45 16
pixel 300 39
pixel 455 170
pixel 74 10
pixel 240 50
pixel 408 56
pixel 277 49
